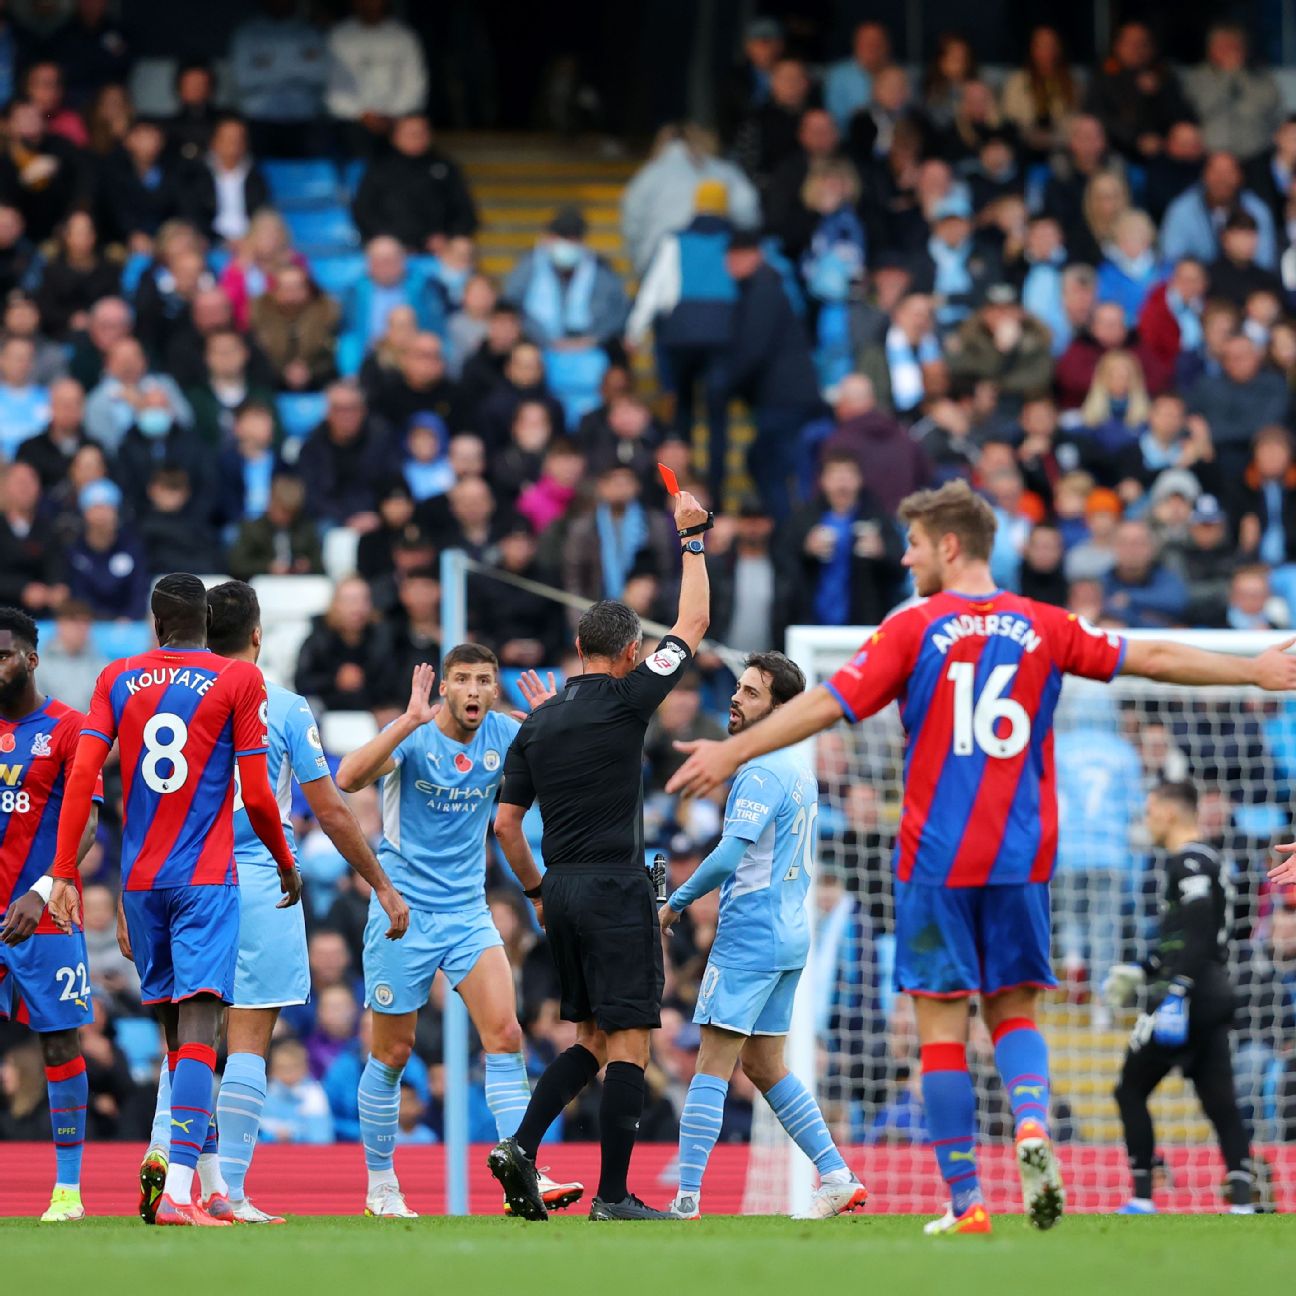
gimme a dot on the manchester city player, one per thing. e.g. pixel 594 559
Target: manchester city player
pixel 762 867
pixel 272 972
pixel 441 768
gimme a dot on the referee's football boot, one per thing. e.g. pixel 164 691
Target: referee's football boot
pixel 628 1208
pixel 517 1175
pixel 555 1195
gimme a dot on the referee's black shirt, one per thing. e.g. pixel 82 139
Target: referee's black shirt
pixel 581 754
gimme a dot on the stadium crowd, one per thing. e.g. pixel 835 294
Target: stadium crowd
pixel 227 333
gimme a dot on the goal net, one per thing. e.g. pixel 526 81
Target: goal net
pixel 1112 743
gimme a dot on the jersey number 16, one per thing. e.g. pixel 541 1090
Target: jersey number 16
pixel 978 721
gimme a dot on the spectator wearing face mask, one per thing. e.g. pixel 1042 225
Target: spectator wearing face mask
pixel 156 440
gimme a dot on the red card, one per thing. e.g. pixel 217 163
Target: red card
pixel 668 479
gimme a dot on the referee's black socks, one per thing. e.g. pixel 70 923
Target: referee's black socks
pixel 562 1080
pixel 623 1103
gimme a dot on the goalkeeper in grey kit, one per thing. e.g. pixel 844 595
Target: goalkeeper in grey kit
pixel 1189 1002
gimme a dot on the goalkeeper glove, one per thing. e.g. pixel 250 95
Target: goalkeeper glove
pixel 1122 984
pixel 1170 1021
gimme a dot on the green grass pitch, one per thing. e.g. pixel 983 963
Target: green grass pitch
pixel 882 1255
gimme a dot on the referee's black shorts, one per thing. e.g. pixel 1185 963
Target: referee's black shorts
pixel 601 921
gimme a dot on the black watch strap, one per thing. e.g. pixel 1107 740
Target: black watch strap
pixel 700 528
pixel 534 893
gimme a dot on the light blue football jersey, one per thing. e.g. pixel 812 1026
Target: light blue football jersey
pixel 294 752
pixel 436 806
pixel 763 921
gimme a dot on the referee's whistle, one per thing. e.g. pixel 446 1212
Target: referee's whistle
pixel 659 875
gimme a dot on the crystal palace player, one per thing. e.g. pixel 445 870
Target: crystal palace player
pixel 977 674
pixel 42 980
pixel 273 971
pixel 1190 1000
pixel 182 717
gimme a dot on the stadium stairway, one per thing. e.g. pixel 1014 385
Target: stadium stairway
pixel 1085 1062
pixel 519 182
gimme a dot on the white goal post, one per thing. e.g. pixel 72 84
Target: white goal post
pixel 852 1038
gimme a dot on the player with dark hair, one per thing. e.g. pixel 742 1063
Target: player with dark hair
pixel 762 867
pixel 441 767
pixel 273 971
pixel 977 673
pixel 1190 1001
pixel 183 718
pixel 44 980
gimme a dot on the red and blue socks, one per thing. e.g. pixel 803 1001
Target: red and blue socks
pixel 192 1083
pixel 949 1105
pixel 69 1092
pixel 1022 1058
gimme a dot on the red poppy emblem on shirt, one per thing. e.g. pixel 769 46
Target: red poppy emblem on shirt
pixel 463 763
pixel 7 743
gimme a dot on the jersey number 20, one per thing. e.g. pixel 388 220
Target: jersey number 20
pixel 978 721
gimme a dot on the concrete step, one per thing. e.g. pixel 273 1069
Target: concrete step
pixel 529 216
pixel 555 193
pixel 493 239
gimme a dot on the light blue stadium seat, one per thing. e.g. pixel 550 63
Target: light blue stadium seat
pixel 138 1039
pixel 133 272
pixel 122 639
pixel 349 354
pixel 322 230
pixel 574 377
pixel 217 259
pixel 336 274
pixel 352 174
pixel 301 412
pixel 309 183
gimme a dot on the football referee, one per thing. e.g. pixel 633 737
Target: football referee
pixel 581 755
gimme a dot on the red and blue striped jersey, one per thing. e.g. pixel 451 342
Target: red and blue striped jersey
pixel 977 681
pixel 36 756
pixel 180 716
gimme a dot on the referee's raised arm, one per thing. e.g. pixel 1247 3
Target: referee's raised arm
pixel 694 614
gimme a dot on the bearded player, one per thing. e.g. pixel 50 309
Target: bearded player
pixel 182 718
pixel 977 673
pixel 44 978
pixel 441 768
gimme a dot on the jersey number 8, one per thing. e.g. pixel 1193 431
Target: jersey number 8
pixel 170 752
pixel 976 723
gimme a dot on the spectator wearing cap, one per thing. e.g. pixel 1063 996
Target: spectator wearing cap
pixel 1003 345
pixel 51 450
pixel 525 629
pixel 848 87
pixel 1170 323
pixel 1092 558
pixel 1135 94
pixel 426 462
pixel 570 298
pixel 1236 403
pixel 295 325
pixel 31 558
pixel 24 403
pixel 786 212
pixel 1266 499
pixel 1234 274
pixel 841 554
pixel 283 541
pixel 769 365
pixel 768 133
pixel 1140 591
pixel 222 190
pixel 892 463
pixel 1251 601
pixel 418 385
pixel 377 73
pixel 247 466
pixel 279 66
pixel 687 297
pixel 1169 514
pixel 416 194
pixel 1130 267
pixel 1193 222
pixel 661 196
pixel 1209 559
pixel 389 281
pixel 1239 106
pixel 345 460
pixel 952 267
pixel 906 365
pixel 106 565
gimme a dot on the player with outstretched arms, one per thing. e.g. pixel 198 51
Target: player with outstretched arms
pixel 762 867
pixel 44 977
pixel 273 971
pixel 182 719
pixel 976 672
pixel 441 767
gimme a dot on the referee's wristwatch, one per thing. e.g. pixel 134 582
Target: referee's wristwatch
pixel 694 546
